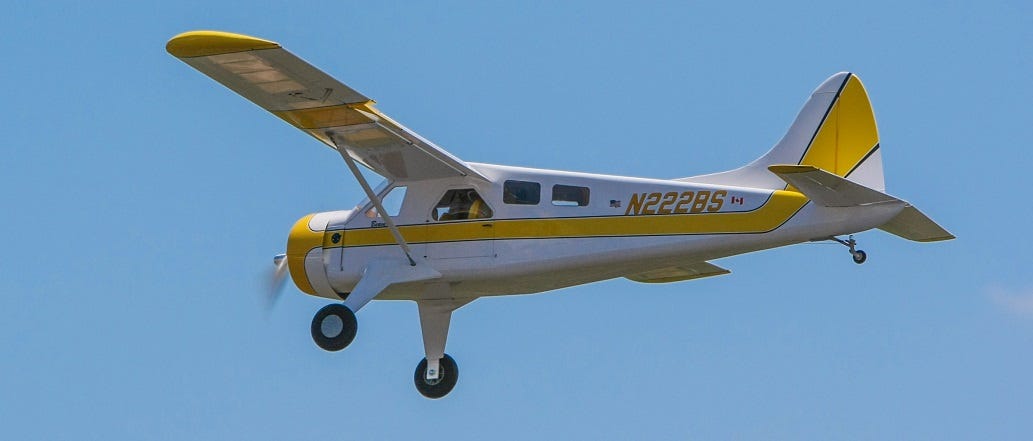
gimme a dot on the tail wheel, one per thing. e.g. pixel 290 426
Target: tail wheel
pixel 334 327
pixel 860 256
pixel 447 377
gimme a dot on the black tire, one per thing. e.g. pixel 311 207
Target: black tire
pixel 446 381
pixel 860 257
pixel 324 323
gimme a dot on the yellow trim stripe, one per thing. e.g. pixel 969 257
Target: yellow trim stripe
pixel 780 207
pixel 204 43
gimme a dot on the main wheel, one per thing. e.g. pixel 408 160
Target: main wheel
pixel 860 257
pixel 334 327
pixel 447 377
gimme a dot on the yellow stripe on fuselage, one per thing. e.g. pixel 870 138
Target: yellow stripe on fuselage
pixel 776 211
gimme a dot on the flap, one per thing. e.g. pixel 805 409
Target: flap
pixel 679 273
pixel 316 103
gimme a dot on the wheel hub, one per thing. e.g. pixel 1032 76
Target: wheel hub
pixel 434 381
pixel 331 326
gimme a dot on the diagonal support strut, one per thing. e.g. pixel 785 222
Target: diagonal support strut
pixel 373 198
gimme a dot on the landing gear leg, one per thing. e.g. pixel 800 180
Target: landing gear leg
pixel 438 372
pixel 859 256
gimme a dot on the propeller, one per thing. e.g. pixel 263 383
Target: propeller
pixel 276 280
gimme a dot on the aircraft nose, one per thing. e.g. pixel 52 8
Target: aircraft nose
pixel 300 242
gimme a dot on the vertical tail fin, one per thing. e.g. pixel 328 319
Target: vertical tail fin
pixel 835 131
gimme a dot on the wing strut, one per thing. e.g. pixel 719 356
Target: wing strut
pixel 373 198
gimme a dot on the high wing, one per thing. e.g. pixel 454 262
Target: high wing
pixel 309 99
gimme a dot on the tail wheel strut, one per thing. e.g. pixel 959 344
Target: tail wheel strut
pixel 859 256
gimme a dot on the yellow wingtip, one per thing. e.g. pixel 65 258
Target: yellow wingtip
pixel 205 43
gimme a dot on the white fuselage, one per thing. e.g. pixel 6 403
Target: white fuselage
pixel 623 226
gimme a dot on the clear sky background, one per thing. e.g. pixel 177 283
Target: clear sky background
pixel 143 202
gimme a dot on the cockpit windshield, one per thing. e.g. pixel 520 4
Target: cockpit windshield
pixel 390 197
pixel 392 203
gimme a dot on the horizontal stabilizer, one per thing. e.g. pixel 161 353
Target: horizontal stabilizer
pixel 912 224
pixel 679 273
pixel 830 190
pixel 827 189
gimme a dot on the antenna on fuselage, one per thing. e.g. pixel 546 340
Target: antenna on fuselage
pixel 373 198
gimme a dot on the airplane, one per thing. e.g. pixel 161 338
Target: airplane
pixel 443 232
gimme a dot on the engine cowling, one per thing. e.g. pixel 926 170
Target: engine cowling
pixel 305 245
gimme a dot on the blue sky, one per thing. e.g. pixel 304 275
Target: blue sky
pixel 144 202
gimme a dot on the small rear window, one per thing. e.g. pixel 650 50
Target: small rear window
pixel 569 195
pixel 521 192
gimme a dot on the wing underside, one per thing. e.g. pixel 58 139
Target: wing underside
pixel 316 103
pixel 678 273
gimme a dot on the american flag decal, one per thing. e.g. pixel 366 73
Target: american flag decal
pixel 615 203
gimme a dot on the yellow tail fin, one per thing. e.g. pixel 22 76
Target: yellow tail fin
pixel 848 137
pixel 835 131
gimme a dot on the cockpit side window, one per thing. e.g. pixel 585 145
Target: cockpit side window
pixel 521 192
pixel 461 204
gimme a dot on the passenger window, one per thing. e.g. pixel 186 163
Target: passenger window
pixel 392 202
pixel 569 195
pixel 461 204
pixel 521 192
